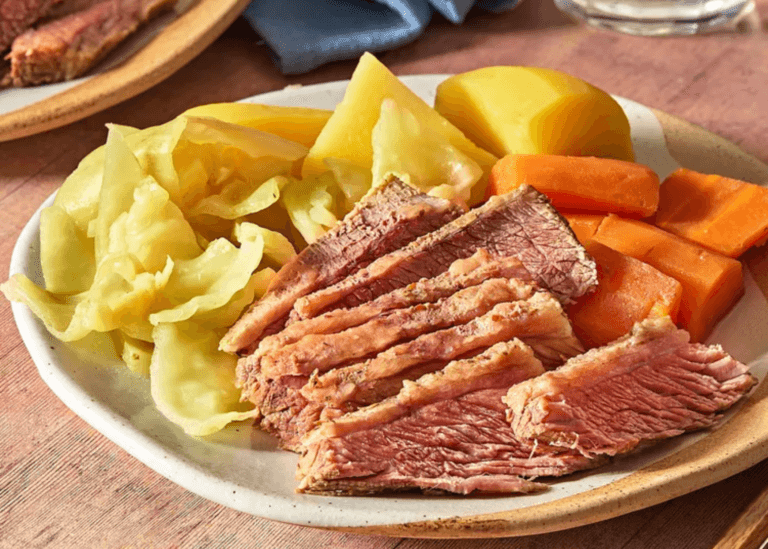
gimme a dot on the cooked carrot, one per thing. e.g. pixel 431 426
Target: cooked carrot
pixel 628 291
pixel 722 214
pixel 584 226
pixel 711 282
pixel 582 183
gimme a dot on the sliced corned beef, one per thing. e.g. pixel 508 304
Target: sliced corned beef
pixel 462 273
pixel 388 218
pixel 16 16
pixel 68 7
pixel 445 431
pixel 273 386
pixel 323 352
pixel 65 48
pixel 286 414
pixel 520 224
pixel 649 385
pixel 538 321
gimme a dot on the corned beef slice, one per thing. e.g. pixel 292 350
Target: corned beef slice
pixel 520 224
pixel 274 380
pixel 388 218
pixel 323 352
pixel 462 274
pixel 286 413
pixel 445 431
pixel 649 385
pixel 65 48
pixel 16 16
pixel 538 321
pixel 68 7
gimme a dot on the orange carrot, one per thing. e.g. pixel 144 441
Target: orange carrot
pixel 582 183
pixel 725 215
pixel 628 291
pixel 584 226
pixel 711 282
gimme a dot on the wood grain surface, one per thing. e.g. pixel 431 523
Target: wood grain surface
pixel 751 528
pixel 64 485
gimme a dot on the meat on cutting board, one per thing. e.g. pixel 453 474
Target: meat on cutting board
pixel 16 16
pixel 65 48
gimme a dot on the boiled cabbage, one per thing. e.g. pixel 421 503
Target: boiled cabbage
pixel 404 145
pixel 192 382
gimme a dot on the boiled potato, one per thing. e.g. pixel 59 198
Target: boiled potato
pixel 526 110
pixel 347 135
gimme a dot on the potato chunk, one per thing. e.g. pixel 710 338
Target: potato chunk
pixel 526 110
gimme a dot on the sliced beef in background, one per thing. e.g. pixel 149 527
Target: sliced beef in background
pixel 5 73
pixel 68 7
pixel 66 48
pixel 651 384
pixel 538 321
pixel 520 224
pixel 322 352
pixel 388 218
pixel 16 16
pixel 446 431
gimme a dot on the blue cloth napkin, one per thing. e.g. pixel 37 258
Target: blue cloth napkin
pixel 304 34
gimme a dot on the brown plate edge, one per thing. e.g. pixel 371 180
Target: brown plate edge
pixel 181 41
pixel 734 447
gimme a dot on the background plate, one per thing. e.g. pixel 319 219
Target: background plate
pixel 243 469
pixel 175 45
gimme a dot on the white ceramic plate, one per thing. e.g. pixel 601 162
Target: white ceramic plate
pixel 242 468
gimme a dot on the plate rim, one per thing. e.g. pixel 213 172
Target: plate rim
pixel 660 481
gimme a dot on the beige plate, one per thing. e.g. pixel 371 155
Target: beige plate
pixel 242 470
pixel 182 40
pixel 743 442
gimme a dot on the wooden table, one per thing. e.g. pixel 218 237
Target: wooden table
pixel 64 485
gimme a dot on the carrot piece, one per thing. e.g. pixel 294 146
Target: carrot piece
pixel 582 183
pixel 584 226
pixel 712 282
pixel 628 291
pixel 725 215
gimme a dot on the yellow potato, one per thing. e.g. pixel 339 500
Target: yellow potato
pixel 298 124
pixel 347 135
pixel 526 110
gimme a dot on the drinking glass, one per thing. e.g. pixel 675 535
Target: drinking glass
pixel 658 17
